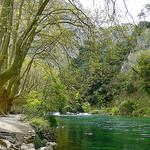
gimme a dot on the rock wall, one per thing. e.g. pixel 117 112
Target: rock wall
pixel 143 47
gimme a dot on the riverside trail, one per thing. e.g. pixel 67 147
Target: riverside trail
pixel 15 134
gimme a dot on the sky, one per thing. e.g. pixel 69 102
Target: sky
pixel 134 6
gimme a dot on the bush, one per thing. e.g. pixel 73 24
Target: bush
pixel 39 142
pixel 130 88
pixel 13 112
pixel 141 112
pixel 40 122
pixel 147 112
pixel 126 107
pixel 51 120
pixel 44 130
pixel 114 110
pixel 86 107
pixel 96 111
pixel 108 110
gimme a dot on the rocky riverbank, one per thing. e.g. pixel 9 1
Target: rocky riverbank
pixel 18 135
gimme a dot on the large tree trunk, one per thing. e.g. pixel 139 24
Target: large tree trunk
pixel 3 101
pixel 10 71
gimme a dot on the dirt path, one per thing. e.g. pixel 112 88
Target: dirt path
pixel 12 123
pixel 14 133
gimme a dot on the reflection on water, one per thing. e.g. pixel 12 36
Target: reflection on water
pixel 96 132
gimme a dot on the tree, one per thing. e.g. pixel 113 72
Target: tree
pixel 50 96
pixel 23 26
pixel 145 12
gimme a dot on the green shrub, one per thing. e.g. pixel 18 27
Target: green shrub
pixel 86 107
pixel 13 112
pixel 147 112
pixel 52 120
pixel 108 110
pixel 126 107
pixel 96 111
pixel 39 142
pixel 44 130
pixel 115 110
pixel 130 88
pixel 40 122
pixel 141 112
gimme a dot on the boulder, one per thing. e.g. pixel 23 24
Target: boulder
pixel 46 148
pixel 6 144
pixel 27 146
pixel 52 144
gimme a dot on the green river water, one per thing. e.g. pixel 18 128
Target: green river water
pixel 97 132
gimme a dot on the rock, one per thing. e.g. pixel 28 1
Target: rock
pixel 5 143
pixel 46 148
pixel 52 144
pixel 2 147
pixel 89 133
pixel 29 136
pixel 69 113
pixel 24 147
pixel 31 145
pixel 27 146
pixel 8 144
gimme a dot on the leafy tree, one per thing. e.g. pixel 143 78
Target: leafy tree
pixel 144 72
pixel 28 29
pixel 49 96
pixel 145 12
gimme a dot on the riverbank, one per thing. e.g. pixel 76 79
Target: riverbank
pixel 15 134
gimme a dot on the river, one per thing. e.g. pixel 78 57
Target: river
pixel 98 132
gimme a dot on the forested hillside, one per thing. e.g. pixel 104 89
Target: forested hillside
pixel 112 76
pixel 60 57
pixel 109 75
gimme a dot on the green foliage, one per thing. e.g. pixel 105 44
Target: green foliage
pixel 86 107
pixel 41 122
pixel 141 112
pixel 130 88
pixel 144 72
pixel 51 120
pixel 50 97
pixel 39 142
pixel 141 27
pixel 114 111
pixel 126 107
pixel 45 130
pixel 97 76
pixel 97 111
pixel 98 64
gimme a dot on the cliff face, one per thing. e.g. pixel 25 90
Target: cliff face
pixel 142 48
